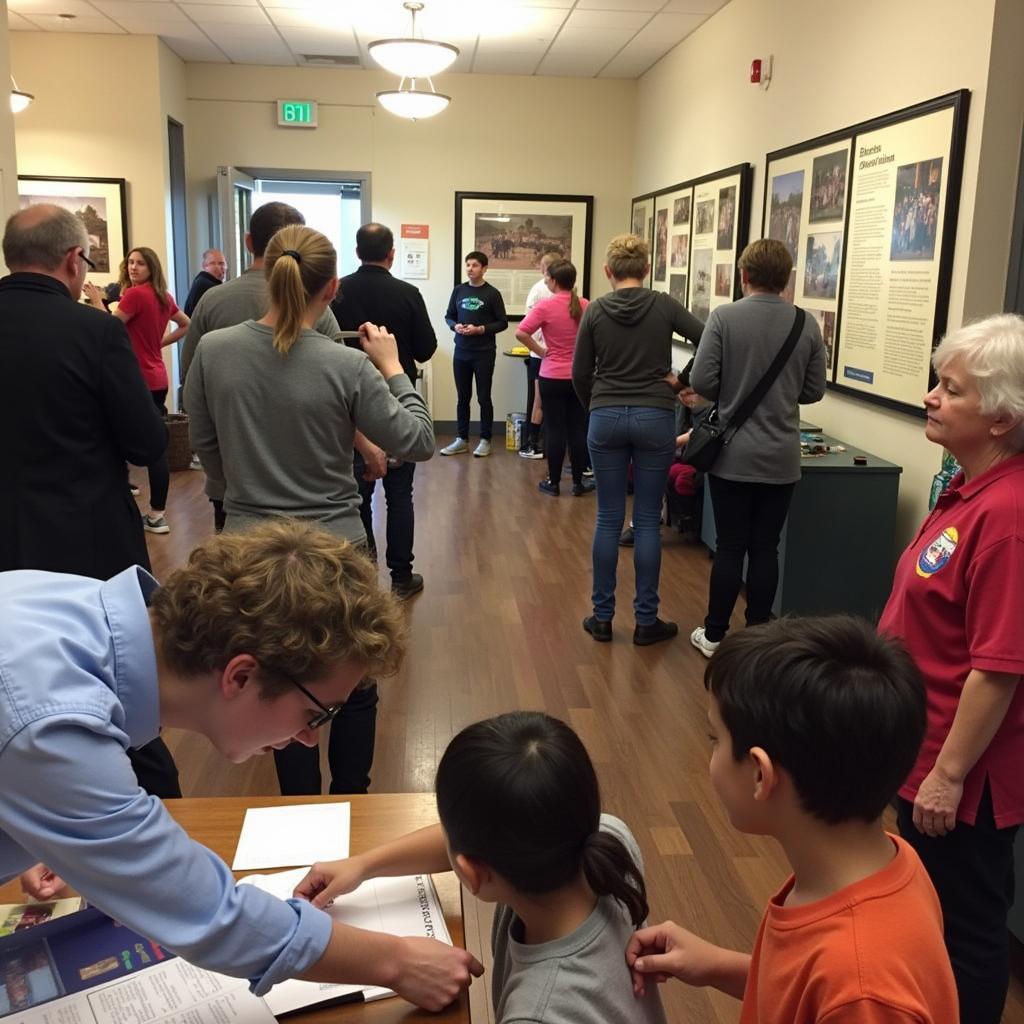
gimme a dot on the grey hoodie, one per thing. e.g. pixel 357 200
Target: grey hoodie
pixel 624 348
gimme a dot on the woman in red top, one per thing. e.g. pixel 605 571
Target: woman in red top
pixel 565 419
pixel 958 604
pixel 146 307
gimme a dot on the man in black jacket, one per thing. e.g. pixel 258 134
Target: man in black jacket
pixel 73 410
pixel 372 294
pixel 214 270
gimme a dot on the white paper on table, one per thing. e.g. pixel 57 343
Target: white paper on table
pixel 281 837
pixel 407 905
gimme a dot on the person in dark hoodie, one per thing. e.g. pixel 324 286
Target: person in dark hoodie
pixel 621 372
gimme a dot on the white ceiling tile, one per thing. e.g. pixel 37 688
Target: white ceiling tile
pixel 694 6
pixel 300 17
pixel 650 6
pixel 221 14
pixel 517 44
pixel 506 63
pixel 127 10
pixel 19 24
pixel 667 29
pixel 203 52
pixel 621 20
pixel 246 33
pixel 252 52
pixel 95 24
pixel 309 40
pixel 594 40
pixel 572 65
pixel 33 7
pixel 631 63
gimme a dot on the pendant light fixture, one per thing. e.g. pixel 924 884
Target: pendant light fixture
pixel 19 99
pixel 413 58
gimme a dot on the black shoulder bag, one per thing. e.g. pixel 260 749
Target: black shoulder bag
pixel 710 436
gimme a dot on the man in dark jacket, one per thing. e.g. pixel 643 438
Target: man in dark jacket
pixel 214 270
pixel 73 410
pixel 372 294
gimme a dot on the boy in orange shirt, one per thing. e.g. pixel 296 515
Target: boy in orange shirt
pixel 814 725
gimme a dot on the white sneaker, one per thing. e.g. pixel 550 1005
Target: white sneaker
pixel 483 449
pixel 195 463
pixel 457 447
pixel 155 523
pixel 702 643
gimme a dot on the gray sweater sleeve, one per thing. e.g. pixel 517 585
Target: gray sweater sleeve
pixel 706 372
pixel 202 431
pixel 392 414
pixel 685 323
pixel 814 379
pixel 583 358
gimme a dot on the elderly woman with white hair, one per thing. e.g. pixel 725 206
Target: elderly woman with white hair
pixel 958 604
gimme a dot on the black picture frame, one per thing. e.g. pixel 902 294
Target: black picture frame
pixel 471 207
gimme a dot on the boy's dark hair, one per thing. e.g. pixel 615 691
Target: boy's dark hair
pixel 480 257
pixel 267 221
pixel 374 242
pixel 839 707
pixel 519 793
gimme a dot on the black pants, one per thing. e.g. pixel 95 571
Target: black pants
pixel 748 519
pixel 531 430
pixel 565 423
pixel 972 871
pixel 155 769
pixel 401 522
pixel 467 366
pixel 349 751
pixel 159 471
pixel 220 517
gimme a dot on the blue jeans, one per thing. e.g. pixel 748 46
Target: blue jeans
pixel 619 435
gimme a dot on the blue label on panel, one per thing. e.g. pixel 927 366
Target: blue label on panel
pixel 866 376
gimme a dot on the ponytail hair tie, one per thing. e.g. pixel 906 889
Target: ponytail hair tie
pixel 294 255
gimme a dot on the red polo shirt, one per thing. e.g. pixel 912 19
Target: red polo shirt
pixel 958 603
pixel 147 325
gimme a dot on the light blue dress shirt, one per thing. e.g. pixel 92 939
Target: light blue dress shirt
pixel 78 685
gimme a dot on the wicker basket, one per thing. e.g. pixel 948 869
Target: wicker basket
pixel 179 453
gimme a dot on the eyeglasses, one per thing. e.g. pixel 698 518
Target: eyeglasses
pixel 325 714
pixel 85 259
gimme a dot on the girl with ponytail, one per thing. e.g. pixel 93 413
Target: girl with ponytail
pixel 521 826
pixel 565 420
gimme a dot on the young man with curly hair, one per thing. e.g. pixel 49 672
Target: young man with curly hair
pixel 257 641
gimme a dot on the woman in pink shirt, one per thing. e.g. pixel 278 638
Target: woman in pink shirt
pixel 146 307
pixel 565 419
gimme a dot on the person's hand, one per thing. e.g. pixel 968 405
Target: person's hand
pixel 462 328
pixel 432 974
pixel 690 398
pixel 382 349
pixel 667 950
pixel 42 884
pixel 93 295
pixel 376 460
pixel 682 439
pixel 936 804
pixel 328 879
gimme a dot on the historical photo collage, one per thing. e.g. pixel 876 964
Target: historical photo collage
pixel 670 257
pixel 714 250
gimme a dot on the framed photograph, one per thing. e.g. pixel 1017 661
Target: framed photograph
pixel 514 230
pixel 869 215
pixel 99 203
pixel 641 224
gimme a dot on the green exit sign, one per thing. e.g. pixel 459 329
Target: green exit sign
pixel 296 113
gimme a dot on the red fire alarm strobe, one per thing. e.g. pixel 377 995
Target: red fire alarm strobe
pixel 755 71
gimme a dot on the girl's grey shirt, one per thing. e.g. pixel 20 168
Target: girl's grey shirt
pixel 739 343
pixel 278 430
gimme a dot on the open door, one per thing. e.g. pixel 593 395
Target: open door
pixel 234 201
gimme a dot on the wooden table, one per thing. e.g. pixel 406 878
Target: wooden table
pixel 217 821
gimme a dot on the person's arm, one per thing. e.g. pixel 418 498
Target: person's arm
pixel 171 337
pixel 94 296
pixel 814 379
pixel 528 326
pixel 424 341
pixel 583 358
pixel 984 701
pixel 202 430
pixel 376 459
pixel 666 950
pixel 706 372
pixel 451 316
pixel 196 329
pixel 685 323
pixel 137 428
pixel 422 852
pixel 530 342
pixel 327 324
pixel 500 321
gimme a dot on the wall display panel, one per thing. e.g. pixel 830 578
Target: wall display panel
pixel 514 229
pixel 874 247
pixel 641 223
pixel 673 225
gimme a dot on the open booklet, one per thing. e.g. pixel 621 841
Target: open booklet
pixel 87 969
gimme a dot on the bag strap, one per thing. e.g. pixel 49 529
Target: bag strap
pixel 750 403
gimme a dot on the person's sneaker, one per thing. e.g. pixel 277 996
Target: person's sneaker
pixel 600 631
pixel 548 487
pixel 483 449
pixel 531 452
pixel 457 447
pixel 657 631
pixel 406 588
pixel 702 643
pixel 133 490
pixel 627 538
pixel 588 471
pixel 195 463
pixel 155 524
pixel 583 487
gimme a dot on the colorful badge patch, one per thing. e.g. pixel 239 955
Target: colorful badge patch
pixel 471 303
pixel 937 553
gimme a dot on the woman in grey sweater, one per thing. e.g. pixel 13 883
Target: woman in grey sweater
pixel 273 408
pixel 752 480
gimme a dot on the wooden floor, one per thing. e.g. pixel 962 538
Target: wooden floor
pixel 507 573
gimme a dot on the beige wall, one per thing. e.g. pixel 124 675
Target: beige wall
pixel 8 159
pixel 835 66
pixel 500 134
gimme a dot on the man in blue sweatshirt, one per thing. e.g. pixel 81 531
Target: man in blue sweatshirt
pixel 476 313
